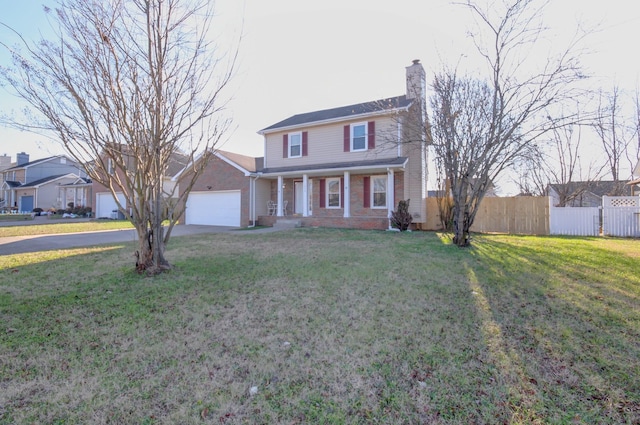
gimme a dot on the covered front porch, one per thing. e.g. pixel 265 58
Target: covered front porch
pixel 361 196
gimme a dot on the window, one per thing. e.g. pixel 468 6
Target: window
pixel 333 193
pixel 295 145
pixel 358 137
pixel 379 191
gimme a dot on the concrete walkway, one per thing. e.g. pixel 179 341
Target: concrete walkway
pixel 36 243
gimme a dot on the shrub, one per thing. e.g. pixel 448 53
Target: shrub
pixel 401 218
pixel 37 211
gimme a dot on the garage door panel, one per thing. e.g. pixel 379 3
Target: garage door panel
pixel 106 204
pixel 214 208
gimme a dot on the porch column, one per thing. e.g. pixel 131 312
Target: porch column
pixel 280 197
pixel 305 195
pixel 390 192
pixel 347 195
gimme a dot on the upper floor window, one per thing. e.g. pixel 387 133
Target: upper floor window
pixel 359 137
pixel 295 145
pixel 333 193
pixel 379 191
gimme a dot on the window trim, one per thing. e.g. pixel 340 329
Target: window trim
pixel 299 134
pixel 328 192
pixel 373 193
pixel 365 136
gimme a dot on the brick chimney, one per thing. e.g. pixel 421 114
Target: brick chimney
pixel 416 81
pixel 22 158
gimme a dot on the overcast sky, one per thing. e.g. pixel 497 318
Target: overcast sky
pixel 300 55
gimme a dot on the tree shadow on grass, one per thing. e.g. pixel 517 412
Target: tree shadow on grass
pixel 568 322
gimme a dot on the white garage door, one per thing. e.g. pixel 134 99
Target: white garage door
pixel 214 208
pixel 105 204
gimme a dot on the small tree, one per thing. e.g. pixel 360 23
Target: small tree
pixel 401 218
pixel 126 87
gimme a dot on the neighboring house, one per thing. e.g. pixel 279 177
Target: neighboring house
pixel 28 184
pixel 104 201
pixel 227 191
pixel 586 194
pixel 349 166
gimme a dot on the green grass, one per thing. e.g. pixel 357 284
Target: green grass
pixel 15 217
pixel 331 326
pixel 70 226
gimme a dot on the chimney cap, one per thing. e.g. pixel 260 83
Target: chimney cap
pixel 416 61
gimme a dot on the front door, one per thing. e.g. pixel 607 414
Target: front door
pixel 297 196
pixel 26 203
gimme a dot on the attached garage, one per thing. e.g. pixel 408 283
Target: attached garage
pixel 217 208
pixel 105 204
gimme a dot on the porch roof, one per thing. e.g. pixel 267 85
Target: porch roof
pixel 320 169
pixel 11 184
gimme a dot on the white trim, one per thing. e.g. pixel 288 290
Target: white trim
pixel 352 127
pixel 305 195
pixel 390 193
pixel 290 145
pixel 326 182
pixel 335 120
pixel 324 171
pixel 280 197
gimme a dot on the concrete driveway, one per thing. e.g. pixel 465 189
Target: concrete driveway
pixel 36 243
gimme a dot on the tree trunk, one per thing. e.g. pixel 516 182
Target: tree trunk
pixel 461 236
pixel 150 254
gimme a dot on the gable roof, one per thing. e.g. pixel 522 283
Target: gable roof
pixel 247 163
pixel 341 113
pixel 49 179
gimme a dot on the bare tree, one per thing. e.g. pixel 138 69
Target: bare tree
pixel 532 175
pixel 558 162
pixel 480 126
pixel 130 86
pixel 616 132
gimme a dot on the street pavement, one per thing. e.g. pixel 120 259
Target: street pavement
pixel 36 243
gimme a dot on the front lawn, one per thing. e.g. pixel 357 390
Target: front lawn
pixel 325 326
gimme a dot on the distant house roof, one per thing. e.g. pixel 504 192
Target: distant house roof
pixel 343 112
pixel 598 188
pixel 176 163
pixel 49 179
pixel 373 163
pixel 37 161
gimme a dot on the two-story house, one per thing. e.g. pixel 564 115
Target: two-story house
pixel 342 167
pixel 41 183
pixel 349 166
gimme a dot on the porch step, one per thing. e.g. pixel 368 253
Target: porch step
pixel 287 223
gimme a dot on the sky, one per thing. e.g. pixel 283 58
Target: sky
pixel 298 56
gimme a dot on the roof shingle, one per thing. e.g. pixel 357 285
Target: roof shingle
pixel 389 104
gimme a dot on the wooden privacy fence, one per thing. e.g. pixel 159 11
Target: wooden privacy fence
pixel 522 215
pixel 535 215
